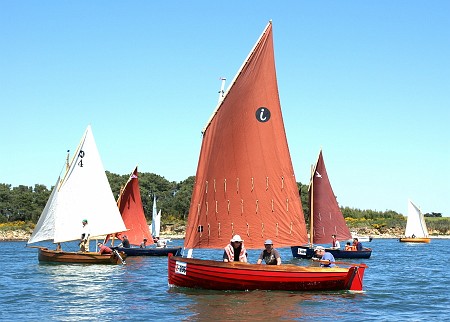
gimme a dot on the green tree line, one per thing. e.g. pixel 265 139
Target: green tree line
pixel 25 203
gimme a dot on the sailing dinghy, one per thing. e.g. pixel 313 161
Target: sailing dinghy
pixel 156 226
pixel 416 229
pixel 245 184
pixel 130 206
pixel 326 219
pixel 82 193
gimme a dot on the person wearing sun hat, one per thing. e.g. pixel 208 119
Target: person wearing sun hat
pixel 326 258
pixel 270 255
pixel 235 250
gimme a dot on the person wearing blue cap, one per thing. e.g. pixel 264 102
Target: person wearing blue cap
pixel 270 255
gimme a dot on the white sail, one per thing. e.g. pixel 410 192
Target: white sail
pixel 415 224
pixel 84 193
pixel 156 219
pixel 45 227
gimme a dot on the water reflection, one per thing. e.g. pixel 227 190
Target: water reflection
pixel 264 305
pixel 89 288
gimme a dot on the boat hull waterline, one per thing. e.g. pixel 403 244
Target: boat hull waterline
pixel 308 253
pixel 425 240
pixel 54 256
pixel 214 275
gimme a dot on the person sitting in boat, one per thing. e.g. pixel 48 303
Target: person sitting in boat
pixel 85 233
pixel 103 249
pixel 235 250
pixel 270 255
pixel 326 258
pixel 348 246
pixel 334 242
pixel 358 246
pixel 144 243
pixel 125 242
pixel 161 243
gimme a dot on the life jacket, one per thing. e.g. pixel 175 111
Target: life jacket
pixel 230 253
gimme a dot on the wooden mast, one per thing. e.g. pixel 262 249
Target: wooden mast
pixel 311 208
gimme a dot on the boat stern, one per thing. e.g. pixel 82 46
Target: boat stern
pixel 355 278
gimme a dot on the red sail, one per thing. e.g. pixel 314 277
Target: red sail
pixel 130 206
pixel 328 219
pixel 245 182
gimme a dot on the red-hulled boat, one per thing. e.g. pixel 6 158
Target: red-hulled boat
pixel 245 184
pixel 214 275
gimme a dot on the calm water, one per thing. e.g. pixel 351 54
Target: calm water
pixel 403 282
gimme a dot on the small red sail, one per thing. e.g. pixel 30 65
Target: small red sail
pixel 130 206
pixel 327 219
pixel 245 182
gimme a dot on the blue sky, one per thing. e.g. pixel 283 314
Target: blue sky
pixel 368 81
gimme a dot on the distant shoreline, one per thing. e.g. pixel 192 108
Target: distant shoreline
pixel 22 235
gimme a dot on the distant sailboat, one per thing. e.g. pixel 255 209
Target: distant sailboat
pixel 245 184
pixel 326 218
pixel 156 226
pixel 130 206
pixel 416 229
pixel 156 220
pixel 82 193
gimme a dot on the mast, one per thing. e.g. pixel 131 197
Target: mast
pixel 311 208
pixel 222 91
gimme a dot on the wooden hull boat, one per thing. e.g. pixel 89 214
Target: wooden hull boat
pixel 84 190
pixel 308 253
pixel 214 275
pixel 416 228
pixel 55 256
pixel 415 240
pixel 153 251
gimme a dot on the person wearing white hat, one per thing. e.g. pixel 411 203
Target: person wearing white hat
pixel 235 250
pixel 270 255
pixel 326 258
pixel 85 234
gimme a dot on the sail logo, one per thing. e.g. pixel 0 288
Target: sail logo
pixel 263 114
pixel 81 155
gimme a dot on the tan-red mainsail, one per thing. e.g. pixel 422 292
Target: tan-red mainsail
pixel 130 206
pixel 245 182
pixel 328 219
